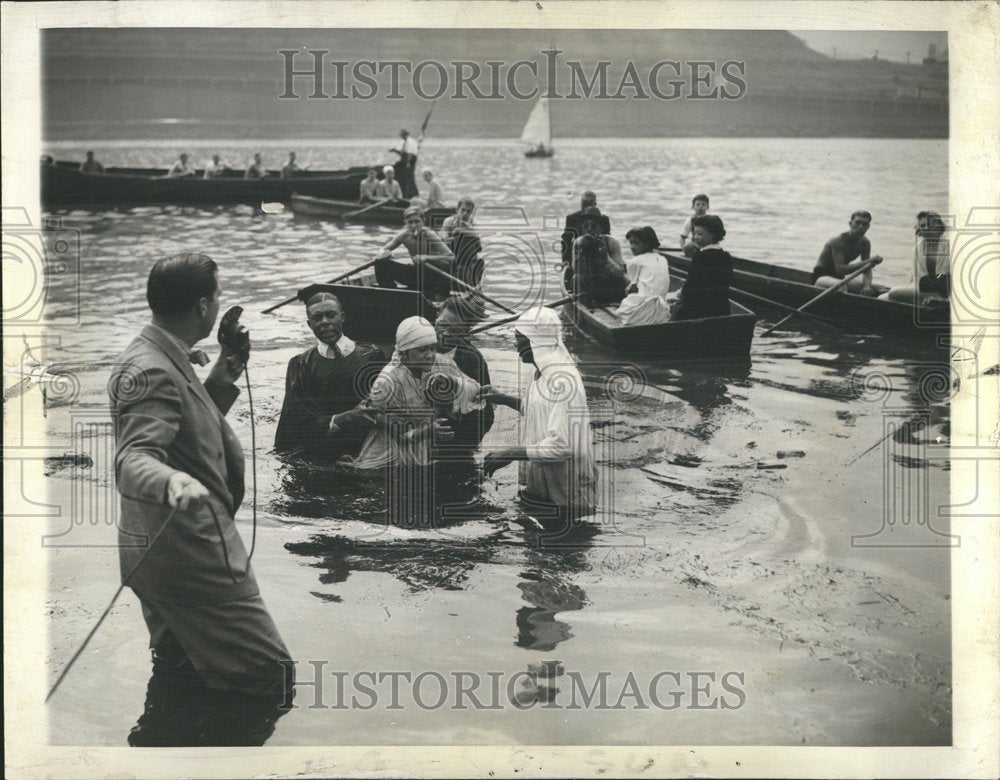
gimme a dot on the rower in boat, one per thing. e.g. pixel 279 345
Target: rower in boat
pixel 368 191
pixel 290 168
pixel 459 233
pixel 388 189
pixel 706 291
pixel 324 413
pixel 434 199
pixel 598 271
pixel 180 168
pixel 256 169
pixel 215 168
pixel 649 274
pixel 91 166
pixel 931 280
pixel 846 253
pixel 424 246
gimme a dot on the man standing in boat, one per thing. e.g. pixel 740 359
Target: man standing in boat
pixel 406 166
pixel 424 246
pixel 574 227
pixel 323 412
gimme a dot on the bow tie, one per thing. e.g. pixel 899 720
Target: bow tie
pixel 199 357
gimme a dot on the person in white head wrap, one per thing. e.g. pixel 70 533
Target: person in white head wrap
pixel 388 188
pixel 557 451
pixel 400 392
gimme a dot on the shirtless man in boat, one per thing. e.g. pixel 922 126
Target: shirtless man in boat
pixel 424 246
pixel 290 168
pixel 181 168
pixel 846 253
pixel 256 169
pixel 368 192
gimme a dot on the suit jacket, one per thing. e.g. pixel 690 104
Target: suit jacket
pixel 166 420
pixel 574 229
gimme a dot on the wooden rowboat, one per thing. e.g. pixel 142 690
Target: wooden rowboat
pixel 857 313
pixel 326 208
pixel 64 186
pixel 682 341
pixel 373 313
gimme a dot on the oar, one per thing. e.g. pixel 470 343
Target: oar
pixel 336 279
pixel 468 287
pixel 505 320
pixel 864 267
pixel 737 293
pixel 359 212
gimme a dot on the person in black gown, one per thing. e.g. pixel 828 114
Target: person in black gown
pixel 706 291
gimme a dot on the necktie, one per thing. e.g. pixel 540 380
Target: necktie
pixel 337 354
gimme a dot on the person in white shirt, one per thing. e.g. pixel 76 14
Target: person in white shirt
pixel 434 196
pixel 649 281
pixel 181 168
pixel 931 280
pixel 558 469
pixel 214 168
pixel 406 166
pixel 699 208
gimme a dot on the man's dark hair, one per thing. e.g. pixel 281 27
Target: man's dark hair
pixel 712 224
pixel 934 222
pixel 589 198
pixel 861 213
pixel 177 283
pixel 700 197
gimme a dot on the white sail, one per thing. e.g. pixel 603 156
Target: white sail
pixel 538 128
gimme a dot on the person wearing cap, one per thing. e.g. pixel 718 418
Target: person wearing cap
pixel 574 227
pixel 556 454
pixel 400 394
pixel 598 271
pixel 325 387
pixel 388 189
pixel 406 166
pixel 434 199
pixel 424 246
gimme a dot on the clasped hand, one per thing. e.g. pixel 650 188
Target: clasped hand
pixel 185 492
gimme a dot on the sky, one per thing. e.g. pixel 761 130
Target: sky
pixel 863 45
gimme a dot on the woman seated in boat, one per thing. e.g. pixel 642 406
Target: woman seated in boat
pixel 649 276
pixel 598 273
pixel 931 278
pixel 706 291
pixel 401 394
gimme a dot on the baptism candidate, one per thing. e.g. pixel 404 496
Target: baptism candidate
pixel 558 470
pixel 324 412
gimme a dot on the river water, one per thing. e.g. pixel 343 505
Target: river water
pixel 749 531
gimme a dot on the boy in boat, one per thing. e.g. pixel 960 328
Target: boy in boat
pixel 368 192
pixel 574 227
pixel 215 168
pixel 558 471
pixel 325 387
pixel 256 169
pixel 90 166
pixel 846 253
pixel 434 198
pixel 180 168
pixel 699 208
pixel 424 246
pixel 598 271
pixel 388 189
pixel 290 168
pixel 461 237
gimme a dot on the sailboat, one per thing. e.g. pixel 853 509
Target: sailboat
pixel 538 131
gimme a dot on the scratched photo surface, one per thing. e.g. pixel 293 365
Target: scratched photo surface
pixel 770 558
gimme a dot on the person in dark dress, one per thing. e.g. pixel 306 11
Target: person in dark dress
pixel 706 291
pixel 574 227
pixel 324 411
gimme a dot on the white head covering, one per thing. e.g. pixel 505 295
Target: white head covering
pixel 388 168
pixel 541 326
pixel 415 332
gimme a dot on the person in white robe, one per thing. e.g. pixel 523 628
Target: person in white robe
pixel 649 281
pixel 557 452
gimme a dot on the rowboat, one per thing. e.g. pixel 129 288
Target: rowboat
pixel 792 287
pixel 63 185
pixel 682 341
pixel 372 313
pixel 326 208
